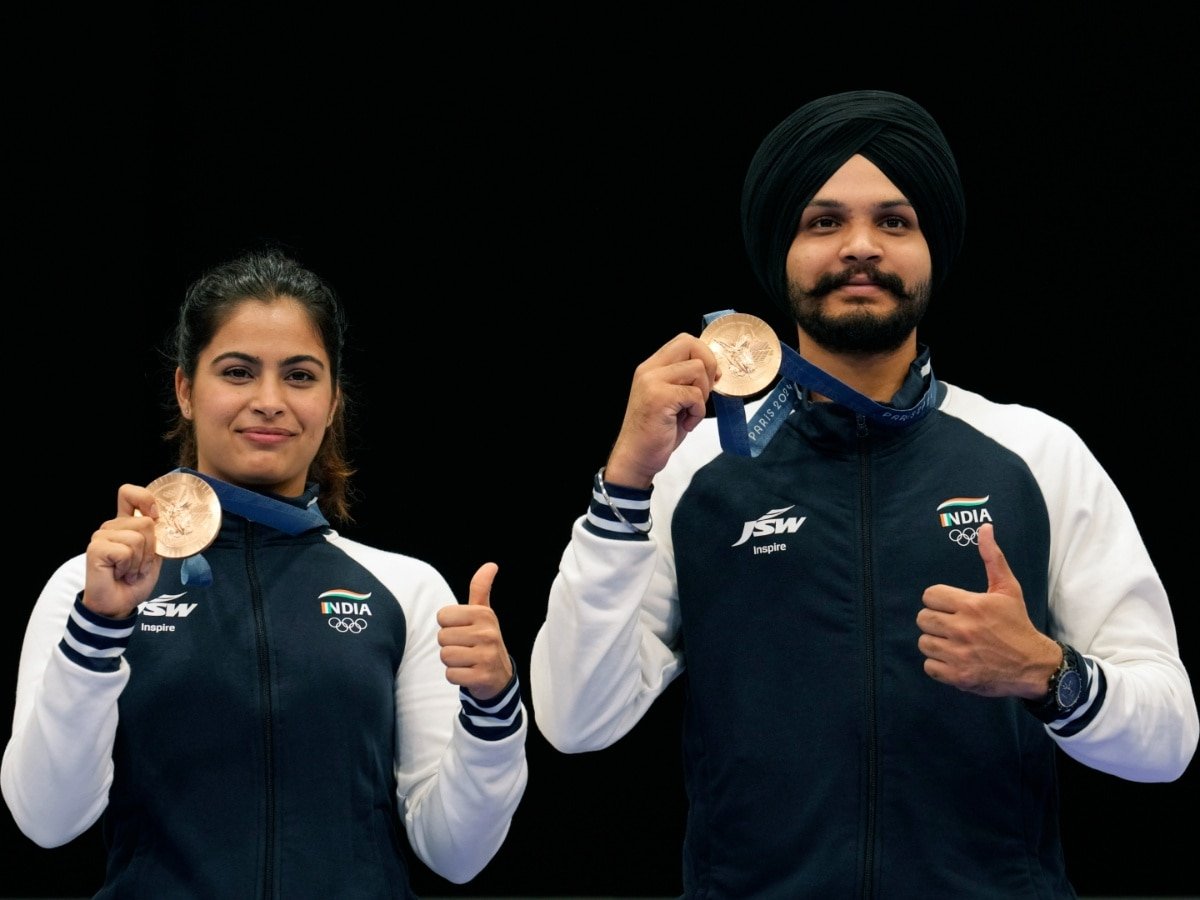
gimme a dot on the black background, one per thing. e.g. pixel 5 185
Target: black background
pixel 517 208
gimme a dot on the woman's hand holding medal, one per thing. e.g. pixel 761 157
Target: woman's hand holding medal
pixel 174 516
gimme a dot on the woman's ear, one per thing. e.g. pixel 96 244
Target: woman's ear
pixel 333 407
pixel 183 394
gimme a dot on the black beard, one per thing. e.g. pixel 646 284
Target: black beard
pixel 865 332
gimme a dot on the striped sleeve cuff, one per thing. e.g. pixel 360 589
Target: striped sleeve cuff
pixel 494 719
pixel 618 512
pixel 94 641
pixel 1095 687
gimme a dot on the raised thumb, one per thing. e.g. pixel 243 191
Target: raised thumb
pixel 999 575
pixel 480 593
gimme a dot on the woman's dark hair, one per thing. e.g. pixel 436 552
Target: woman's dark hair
pixel 267 275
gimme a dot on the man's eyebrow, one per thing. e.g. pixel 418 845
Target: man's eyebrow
pixel 838 204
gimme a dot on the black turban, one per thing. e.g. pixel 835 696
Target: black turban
pixel 804 150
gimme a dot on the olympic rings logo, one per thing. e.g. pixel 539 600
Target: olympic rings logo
pixel 964 537
pixel 347 625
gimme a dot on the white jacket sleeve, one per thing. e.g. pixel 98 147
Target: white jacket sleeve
pixel 609 644
pixel 457 790
pixel 57 765
pixel 1106 600
pixel 605 650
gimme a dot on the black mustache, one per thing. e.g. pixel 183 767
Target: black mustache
pixel 828 283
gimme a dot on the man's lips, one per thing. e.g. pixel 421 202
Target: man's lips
pixel 862 288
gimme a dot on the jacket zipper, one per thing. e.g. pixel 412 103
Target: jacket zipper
pixel 864 474
pixel 264 690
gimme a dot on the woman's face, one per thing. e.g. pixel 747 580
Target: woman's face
pixel 262 397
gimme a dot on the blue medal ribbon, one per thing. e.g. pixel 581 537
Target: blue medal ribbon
pixel 748 436
pixel 277 514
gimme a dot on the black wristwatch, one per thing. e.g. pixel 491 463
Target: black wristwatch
pixel 1064 692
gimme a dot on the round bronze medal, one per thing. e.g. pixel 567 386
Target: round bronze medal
pixel 189 514
pixel 747 351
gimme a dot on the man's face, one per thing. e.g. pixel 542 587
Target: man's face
pixel 859 270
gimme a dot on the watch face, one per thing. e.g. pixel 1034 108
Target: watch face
pixel 1068 689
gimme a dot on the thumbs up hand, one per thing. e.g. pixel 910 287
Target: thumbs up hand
pixel 473 649
pixel 985 643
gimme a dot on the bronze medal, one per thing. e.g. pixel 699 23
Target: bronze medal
pixel 747 351
pixel 189 514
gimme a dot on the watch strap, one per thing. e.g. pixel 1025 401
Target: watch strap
pixel 1047 709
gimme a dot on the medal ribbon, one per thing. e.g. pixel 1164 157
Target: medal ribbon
pixel 749 437
pixel 256 507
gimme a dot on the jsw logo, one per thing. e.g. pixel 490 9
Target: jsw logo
pixel 770 523
pixel 163 606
